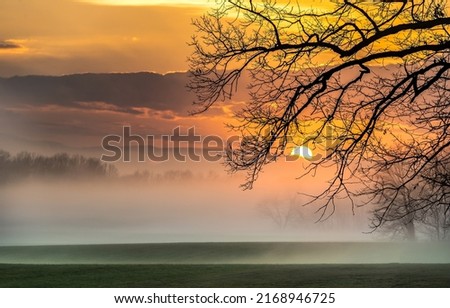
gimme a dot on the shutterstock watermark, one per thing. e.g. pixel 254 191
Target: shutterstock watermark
pixel 187 145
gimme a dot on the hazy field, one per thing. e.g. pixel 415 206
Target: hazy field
pixel 226 275
pixel 231 253
pixel 228 265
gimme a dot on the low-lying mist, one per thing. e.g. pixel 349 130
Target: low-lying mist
pixel 231 253
pixel 171 206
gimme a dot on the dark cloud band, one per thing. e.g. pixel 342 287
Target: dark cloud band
pixel 8 45
pixel 120 92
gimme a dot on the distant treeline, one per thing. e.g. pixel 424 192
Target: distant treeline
pixel 167 176
pixel 65 166
pixel 24 165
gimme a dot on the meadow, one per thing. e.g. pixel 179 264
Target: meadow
pixel 296 265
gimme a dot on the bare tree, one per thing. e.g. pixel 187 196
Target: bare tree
pixel 377 74
pixel 436 223
pixel 435 212
pixel 418 207
pixel 282 212
pixel 397 209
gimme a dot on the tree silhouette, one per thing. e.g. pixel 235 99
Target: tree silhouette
pixel 397 210
pixel 25 164
pixel 420 206
pixel 375 75
pixel 282 211
pixel 435 212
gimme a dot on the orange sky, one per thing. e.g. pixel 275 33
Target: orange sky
pixel 61 37
pixel 65 36
pixel 55 37
pixel 58 37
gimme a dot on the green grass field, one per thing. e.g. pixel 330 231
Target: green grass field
pixel 226 275
pixel 295 265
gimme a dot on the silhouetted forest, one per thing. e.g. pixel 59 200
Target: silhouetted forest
pixel 25 165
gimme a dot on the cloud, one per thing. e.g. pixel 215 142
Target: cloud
pixel 124 92
pixel 120 92
pixel 9 45
pixel 77 111
pixel 101 106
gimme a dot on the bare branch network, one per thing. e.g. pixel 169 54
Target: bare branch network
pixel 376 73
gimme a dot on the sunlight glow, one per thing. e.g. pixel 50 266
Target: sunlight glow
pixel 302 151
pixel 150 2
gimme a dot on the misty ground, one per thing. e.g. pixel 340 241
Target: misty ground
pixel 345 264
pixel 232 253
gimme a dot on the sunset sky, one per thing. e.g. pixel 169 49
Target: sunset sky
pixel 55 37
pixel 72 111
pixel 63 37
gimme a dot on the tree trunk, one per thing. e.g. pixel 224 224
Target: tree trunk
pixel 410 231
